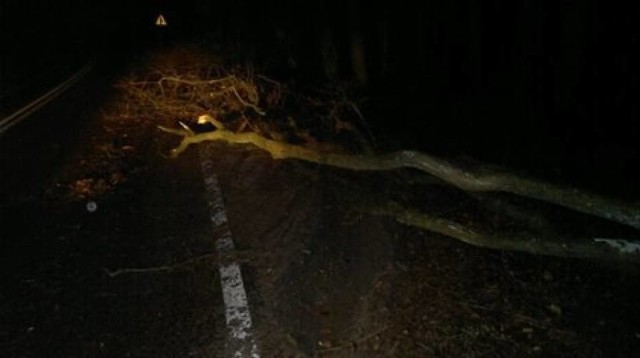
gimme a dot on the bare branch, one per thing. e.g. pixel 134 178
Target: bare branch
pixel 467 180
pixel 592 248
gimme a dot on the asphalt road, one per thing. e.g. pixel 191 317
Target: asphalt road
pixel 57 298
pixel 107 249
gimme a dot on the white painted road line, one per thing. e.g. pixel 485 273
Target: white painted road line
pixel 240 340
pixel 43 100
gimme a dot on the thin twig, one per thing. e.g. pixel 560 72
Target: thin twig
pixel 181 132
pixel 182 80
pixel 245 103
pixel 156 269
pixel 355 343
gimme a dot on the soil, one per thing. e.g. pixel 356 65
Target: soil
pixel 138 276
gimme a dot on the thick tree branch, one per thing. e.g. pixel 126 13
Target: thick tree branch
pixel 588 203
pixel 592 248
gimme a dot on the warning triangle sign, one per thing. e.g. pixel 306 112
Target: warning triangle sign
pixel 160 21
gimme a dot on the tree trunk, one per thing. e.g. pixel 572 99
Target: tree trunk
pixel 467 180
pixel 598 248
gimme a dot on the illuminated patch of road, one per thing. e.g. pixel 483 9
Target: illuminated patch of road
pixel 240 341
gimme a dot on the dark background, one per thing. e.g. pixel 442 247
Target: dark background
pixel 546 88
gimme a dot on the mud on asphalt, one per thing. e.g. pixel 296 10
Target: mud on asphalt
pixel 324 279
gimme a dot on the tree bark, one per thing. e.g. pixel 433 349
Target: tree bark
pixel 550 245
pixel 472 181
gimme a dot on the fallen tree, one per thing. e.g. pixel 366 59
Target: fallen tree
pixel 470 181
pixel 185 84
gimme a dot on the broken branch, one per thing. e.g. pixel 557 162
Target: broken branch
pixel 467 180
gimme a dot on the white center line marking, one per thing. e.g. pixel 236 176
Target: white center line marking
pixel 240 342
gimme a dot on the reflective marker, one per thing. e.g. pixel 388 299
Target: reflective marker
pixel 160 21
